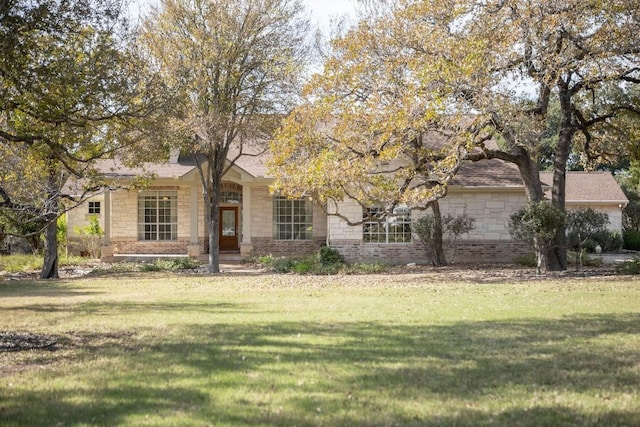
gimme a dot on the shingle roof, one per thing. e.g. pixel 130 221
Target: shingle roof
pixel 589 187
pixel 115 168
pixel 581 186
pixel 488 173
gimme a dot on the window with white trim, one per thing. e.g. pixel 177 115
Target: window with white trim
pixel 158 215
pixel 379 228
pixel 292 219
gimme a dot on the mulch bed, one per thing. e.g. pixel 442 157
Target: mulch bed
pixel 15 341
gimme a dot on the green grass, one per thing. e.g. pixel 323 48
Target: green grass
pixel 28 263
pixel 289 350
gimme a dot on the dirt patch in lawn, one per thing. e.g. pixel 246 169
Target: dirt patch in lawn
pixel 19 341
pixel 500 273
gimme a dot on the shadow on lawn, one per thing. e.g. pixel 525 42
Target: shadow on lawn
pixel 355 374
pixel 52 289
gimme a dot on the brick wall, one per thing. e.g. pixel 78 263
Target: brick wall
pixel 290 248
pixel 466 251
pixel 133 246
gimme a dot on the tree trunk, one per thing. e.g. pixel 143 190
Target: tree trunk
pixel 546 256
pixel 530 174
pixel 51 212
pixel 439 257
pixel 558 191
pixel 211 179
pixel 50 267
pixel 541 257
pixel 213 219
pixel 214 237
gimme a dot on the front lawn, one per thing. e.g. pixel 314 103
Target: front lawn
pixel 286 350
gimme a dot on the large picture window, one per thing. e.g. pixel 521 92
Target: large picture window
pixel 395 228
pixel 292 219
pixel 158 215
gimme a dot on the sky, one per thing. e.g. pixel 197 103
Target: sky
pixel 322 11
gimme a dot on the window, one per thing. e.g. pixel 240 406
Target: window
pixel 227 196
pixel 391 229
pixel 292 219
pixel 157 215
pixel 94 208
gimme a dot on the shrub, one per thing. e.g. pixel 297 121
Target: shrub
pixel 326 261
pixel 528 260
pixel 629 267
pixel 585 260
pixel 303 266
pixel 179 264
pixel 537 223
pixel 452 227
pixel 149 267
pixel 277 264
pixel 609 241
pixel 367 268
pixel 91 237
pixel 631 239
pixel 329 256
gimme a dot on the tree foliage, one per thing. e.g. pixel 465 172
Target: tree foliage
pixel 368 131
pixel 583 224
pixel 537 224
pixel 451 227
pixel 72 90
pixel 484 77
pixel 236 67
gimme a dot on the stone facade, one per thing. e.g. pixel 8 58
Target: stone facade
pixel 491 209
pixel 490 241
pixel 77 218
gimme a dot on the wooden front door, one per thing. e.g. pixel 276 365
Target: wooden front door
pixel 229 229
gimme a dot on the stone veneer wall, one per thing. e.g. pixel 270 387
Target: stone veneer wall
pixel 491 209
pixel 489 242
pixel 79 216
pixel 124 224
pixel 262 241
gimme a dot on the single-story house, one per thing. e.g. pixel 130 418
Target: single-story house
pixel 167 217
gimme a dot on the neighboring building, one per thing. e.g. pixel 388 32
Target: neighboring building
pixel 167 217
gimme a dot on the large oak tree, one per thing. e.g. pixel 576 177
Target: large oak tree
pixel 484 74
pixel 236 65
pixel 72 90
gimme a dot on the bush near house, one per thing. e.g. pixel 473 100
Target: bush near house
pixel 90 237
pixel 631 239
pixel 325 261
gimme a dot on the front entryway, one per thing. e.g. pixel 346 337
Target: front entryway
pixel 229 229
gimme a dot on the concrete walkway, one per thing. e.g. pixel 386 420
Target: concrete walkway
pixel 609 258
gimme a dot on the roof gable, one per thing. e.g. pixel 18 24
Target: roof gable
pixel 589 187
